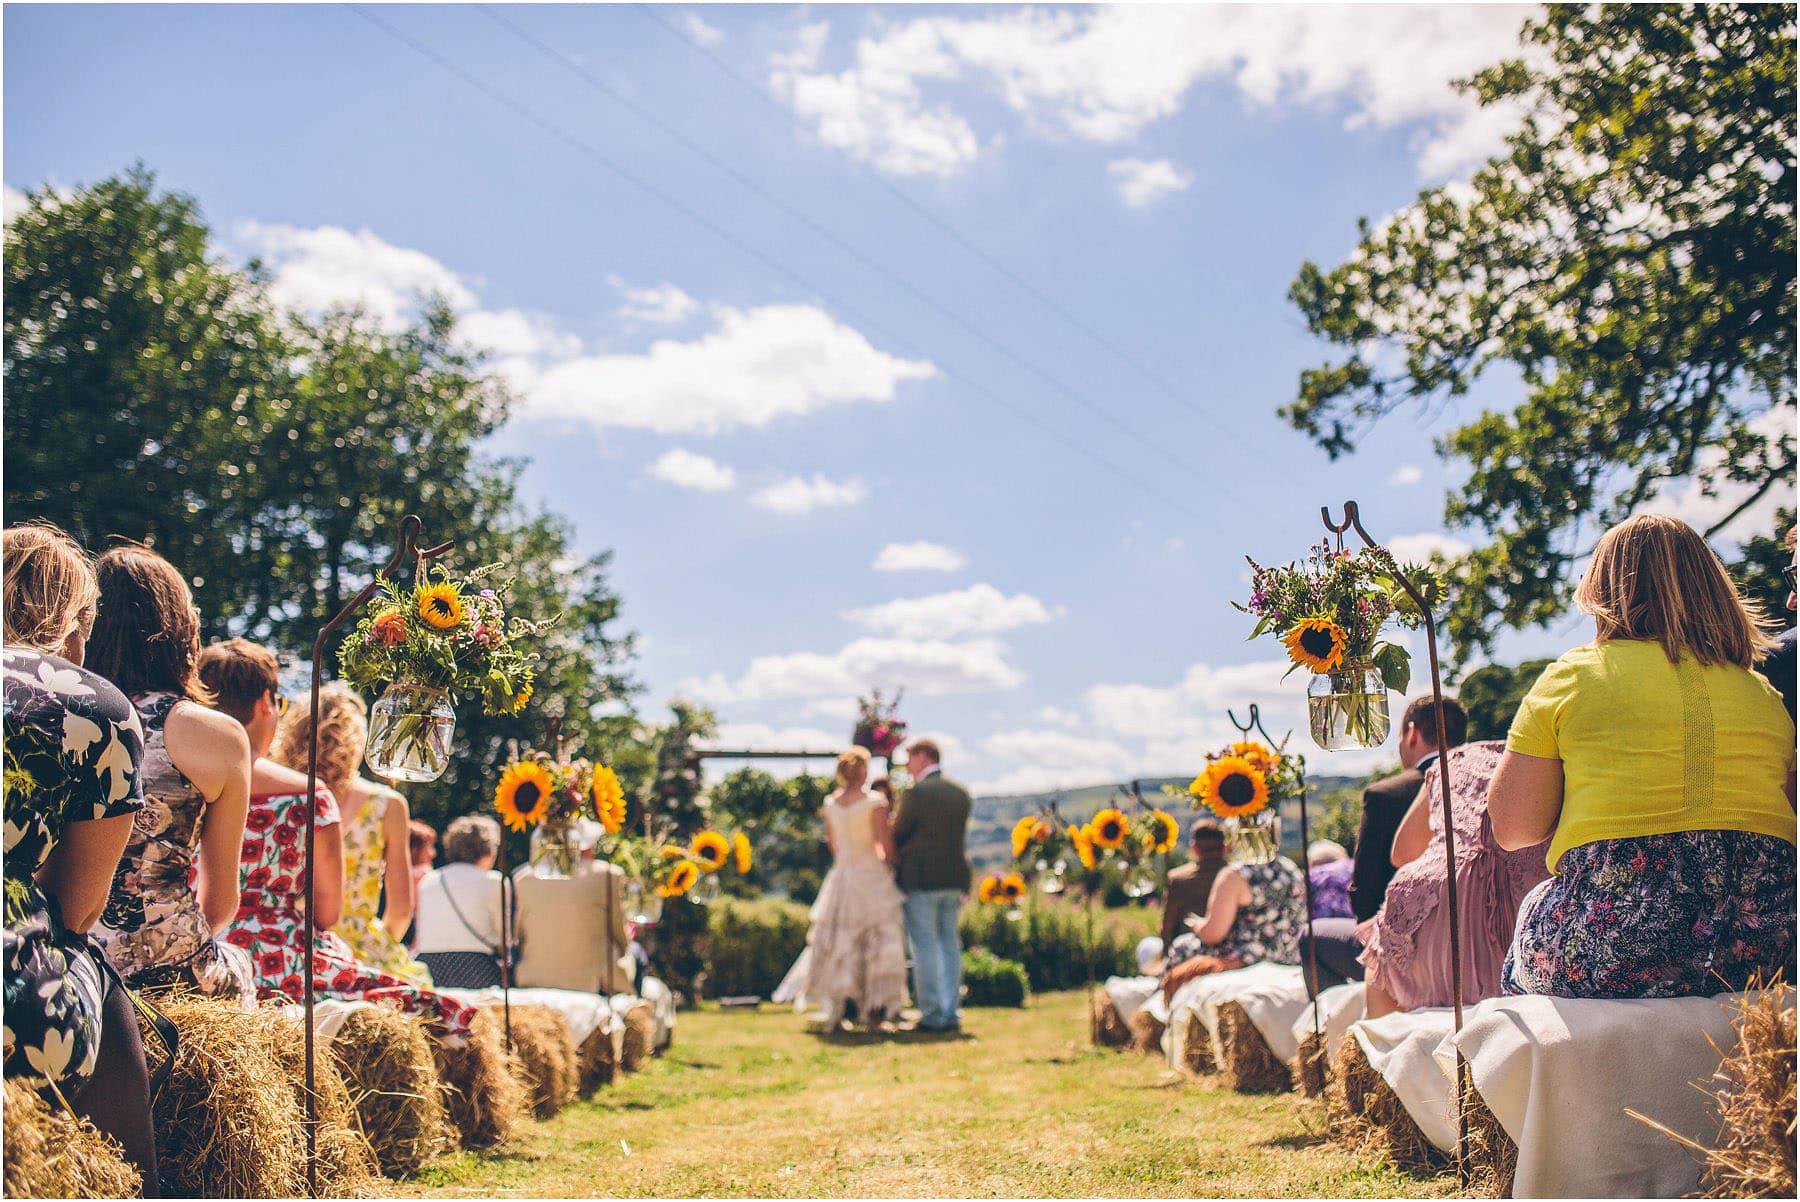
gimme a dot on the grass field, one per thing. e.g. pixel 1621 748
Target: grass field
pixel 755 1103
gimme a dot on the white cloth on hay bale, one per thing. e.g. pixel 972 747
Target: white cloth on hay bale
pixel 1130 994
pixel 1402 1047
pixel 1339 1006
pixel 584 1012
pixel 1272 994
pixel 329 1015
pixel 662 1009
pixel 1552 1068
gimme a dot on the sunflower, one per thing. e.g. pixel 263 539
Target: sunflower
pixel 1259 755
pixel 523 797
pixel 518 700
pixel 989 892
pixel 441 606
pixel 609 799
pixel 681 878
pixel 1109 829
pixel 1026 832
pixel 1231 787
pixel 1164 833
pixel 740 849
pixel 1084 845
pixel 1012 887
pixel 1316 642
pixel 673 853
pixel 711 850
pixel 388 628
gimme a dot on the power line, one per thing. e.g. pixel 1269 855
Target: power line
pixel 969 244
pixel 767 260
pixel 968 327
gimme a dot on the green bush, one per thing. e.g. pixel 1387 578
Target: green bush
pixel 991 981
pixel 1047 939
pixel 753 944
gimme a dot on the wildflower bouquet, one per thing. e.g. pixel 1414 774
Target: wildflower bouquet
pixel 542 792
pixel 1245 784
pixel 878 724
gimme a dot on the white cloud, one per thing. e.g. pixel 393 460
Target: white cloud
pixel 757 736
pixel 15 203
pixel 514 332
pixel 1406 474
pixel 978 609
pixel 1036 760
pixel 699 30
pixel 919 557
pixel 1144 181
pixel 1056 716
pixel 757 365
pixel 1419 548
pixel 1686 500
pixel 686 469
pixel 663 304
pixel 328 266
pixel 797 495
pixel 1105 74
pixel 923 667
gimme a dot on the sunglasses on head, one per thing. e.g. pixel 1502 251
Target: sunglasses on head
pixel 281 705
pixel 1789 572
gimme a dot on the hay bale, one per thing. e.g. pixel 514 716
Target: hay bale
pixel 486 1102
pixel 1250 1064
pixel 1311 1066
pixel 640 1036
pixel 1105 1028
pixel 1367 1113
pixel 52 1154
pixel 598 1059
pixel 1492 1156
pixel 384 1055
pixel 1146 1033
pixel 546 1056
pixel 1197 1050
pixel 1755 1153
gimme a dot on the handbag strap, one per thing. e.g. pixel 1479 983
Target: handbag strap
pixel 450 896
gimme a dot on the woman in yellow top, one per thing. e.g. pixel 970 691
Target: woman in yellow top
pixel 1661 768
pixel 377 850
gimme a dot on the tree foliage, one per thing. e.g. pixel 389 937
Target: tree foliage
pixel 1491 695
pixel 1631 259
pixel 782 818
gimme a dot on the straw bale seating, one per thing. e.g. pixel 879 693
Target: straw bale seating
pixel 1388 1090
pixel 385 1057
pixel 1753 1156
pixel 1115 1007
pixel 639 1042
pixel 1339 1006
pixel 1105 1028
pixel 483 1094
pixel 1239 1023
pixel 52 1154
pixel 546 1057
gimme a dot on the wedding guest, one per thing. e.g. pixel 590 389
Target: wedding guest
pixel 69 807
pixel 1386 801
pixel 377 845
pixel 930 828
pixel 421 842
pixel 271 923
pixel 1661 769
pixel 1406 946
pixel 459 909
pixel 571 930
pixel 1778 666
pixel 1191 884
pixel 1254 913
pixel 1329 868
pixel 176 887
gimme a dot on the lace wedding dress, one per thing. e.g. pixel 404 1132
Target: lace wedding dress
pixel 855 951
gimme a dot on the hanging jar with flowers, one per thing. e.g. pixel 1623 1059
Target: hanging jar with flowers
pixel 423 646
pixel 552 798
pixel 1244 786
pixel 1329 615
pixel 879 727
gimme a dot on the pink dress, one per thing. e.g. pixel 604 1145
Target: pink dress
pixel 1407 944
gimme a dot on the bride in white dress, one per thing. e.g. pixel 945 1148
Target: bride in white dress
pixel 856 948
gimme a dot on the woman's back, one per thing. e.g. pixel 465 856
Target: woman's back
pixel 852 826
pixel 1267 927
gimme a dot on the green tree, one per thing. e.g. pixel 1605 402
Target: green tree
pixel 1491 695
pixel 1631 259
pixel 782 820
pixel 1761 570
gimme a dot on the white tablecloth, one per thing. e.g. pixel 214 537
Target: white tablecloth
pixel 1273 995
pixel 329 1015
pixel 1402 1047
pixel 1339 1006
pixel 1129 994
pixel 585 1012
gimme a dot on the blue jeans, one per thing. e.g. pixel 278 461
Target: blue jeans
pixel 936 953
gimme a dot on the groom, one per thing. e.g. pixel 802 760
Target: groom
pixel 934 873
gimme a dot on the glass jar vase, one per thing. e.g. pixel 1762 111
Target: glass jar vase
pixel 1253 838
pixel 410 729
pixel 1348 708
pixel 705 890
pixel 555 856
pixel 643 905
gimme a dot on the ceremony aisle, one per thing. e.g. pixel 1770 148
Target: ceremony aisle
pixel 748 1103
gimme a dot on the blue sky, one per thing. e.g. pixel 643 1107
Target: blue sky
pixel 762 426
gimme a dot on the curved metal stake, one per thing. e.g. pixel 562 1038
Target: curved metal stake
pixel 1353 520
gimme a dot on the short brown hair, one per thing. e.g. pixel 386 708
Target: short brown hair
pixel 421 842
pixel 927 748
pixel 147 634
pixel 1207 830
pixel 471 838
pixel 238 672
pixel 343 733
pixel 1422 715
pixel 1654 579
pixel 50 587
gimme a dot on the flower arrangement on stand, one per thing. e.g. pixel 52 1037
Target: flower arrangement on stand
pixel 879 727
pixel 1243 786
pixel 1330 615
pixel 445 636
pixel 1001 888
pixel 712 852
pixel 542 793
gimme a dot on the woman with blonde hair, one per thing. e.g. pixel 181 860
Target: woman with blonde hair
pixel 855 957
pixel 1661 769
pixel 376 829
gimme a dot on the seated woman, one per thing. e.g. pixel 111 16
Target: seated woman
pixel 176 888
pixel 1661 769
pixel 74 747
pixel 270 923
pixel 1329 868
pixel 376 842
pixel 457 925
pixel 1406 952
pixel 421 844
pixel 1255 912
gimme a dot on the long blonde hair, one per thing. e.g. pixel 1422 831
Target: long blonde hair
pixel 1654 578
pixel 854 760
pixel 343 733
pixel 50 589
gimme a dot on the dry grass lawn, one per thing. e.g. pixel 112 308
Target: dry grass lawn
pixel 753 1103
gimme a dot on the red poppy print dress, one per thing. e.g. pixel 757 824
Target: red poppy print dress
pixel 271 927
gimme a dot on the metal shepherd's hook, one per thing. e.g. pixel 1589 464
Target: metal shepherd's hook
pixel 410 530
pixel 1353 521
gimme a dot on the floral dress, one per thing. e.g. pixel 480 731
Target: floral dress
pixel 271 927
pixel 1267 927
pixel 365 868
pixel 73 749
pixel 152 928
